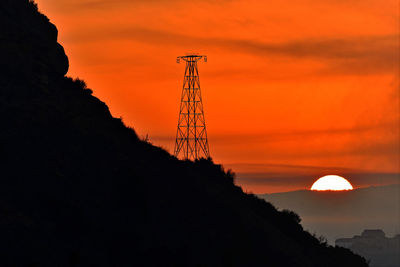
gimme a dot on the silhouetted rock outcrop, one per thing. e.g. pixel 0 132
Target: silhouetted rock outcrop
pixel 380 250
pixel 29 42
pixel 78 188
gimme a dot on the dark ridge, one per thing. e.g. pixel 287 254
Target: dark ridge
pixel 79 188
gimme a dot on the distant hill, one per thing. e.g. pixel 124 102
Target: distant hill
pixel 344 213
pixel 79 188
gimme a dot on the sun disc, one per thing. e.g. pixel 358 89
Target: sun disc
pixel 331 183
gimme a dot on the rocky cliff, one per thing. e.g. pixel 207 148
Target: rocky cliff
pixel 29 42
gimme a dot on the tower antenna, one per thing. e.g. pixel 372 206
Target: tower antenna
pixel 191 137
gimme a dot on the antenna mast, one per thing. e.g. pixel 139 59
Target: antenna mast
pixel 191 136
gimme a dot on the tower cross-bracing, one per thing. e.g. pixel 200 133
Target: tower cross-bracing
pixel 191 136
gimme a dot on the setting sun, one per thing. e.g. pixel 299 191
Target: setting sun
pixel 332 183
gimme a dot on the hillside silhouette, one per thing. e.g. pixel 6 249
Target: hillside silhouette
pixel 79 188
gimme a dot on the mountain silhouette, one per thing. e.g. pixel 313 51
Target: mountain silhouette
pixel 343 213
pixel 79 188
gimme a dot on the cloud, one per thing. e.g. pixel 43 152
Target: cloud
pixel 81 6
pixel 371 147
pixel 283 174
pixel 264 178
pixel 353 55
pixel 370 130
pixel 311 133
pixel 106 4
pixel 305 177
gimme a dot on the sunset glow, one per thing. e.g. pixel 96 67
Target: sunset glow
pixel 300 88
pixel 331 183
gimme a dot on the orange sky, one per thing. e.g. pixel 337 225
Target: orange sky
pixel 292 89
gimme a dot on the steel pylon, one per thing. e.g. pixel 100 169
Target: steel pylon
pixel 191 137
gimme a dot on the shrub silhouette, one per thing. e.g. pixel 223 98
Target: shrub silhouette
pixel 79 188
pixel 33 6
pixel 292 215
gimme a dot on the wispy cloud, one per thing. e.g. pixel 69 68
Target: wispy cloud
pixel 359 55
pixel 302 174
pixel 82 6
pixel 296 134
pixel 304 180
